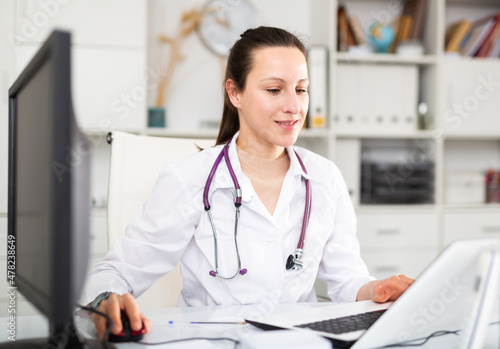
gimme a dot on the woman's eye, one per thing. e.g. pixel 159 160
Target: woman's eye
pixel 273 90
pixel 302 90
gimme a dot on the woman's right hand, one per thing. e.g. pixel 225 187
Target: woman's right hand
pixel 113 307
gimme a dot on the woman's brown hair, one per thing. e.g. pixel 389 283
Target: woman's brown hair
pixel 239 64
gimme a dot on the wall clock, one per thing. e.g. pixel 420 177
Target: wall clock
pixel 223 22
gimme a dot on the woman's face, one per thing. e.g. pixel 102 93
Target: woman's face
pixel 273 106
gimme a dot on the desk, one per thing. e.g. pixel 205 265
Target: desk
pixel 36 326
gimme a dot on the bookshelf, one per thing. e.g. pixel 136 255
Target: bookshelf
pixel 462 147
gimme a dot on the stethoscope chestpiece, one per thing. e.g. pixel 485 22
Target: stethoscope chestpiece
pixel 290 262
pixel 295 262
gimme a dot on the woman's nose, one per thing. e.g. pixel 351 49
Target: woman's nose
pixel 292 104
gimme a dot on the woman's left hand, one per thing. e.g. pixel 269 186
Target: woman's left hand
pixel 384 290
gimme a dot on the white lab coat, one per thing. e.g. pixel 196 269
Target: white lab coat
pixel 174 225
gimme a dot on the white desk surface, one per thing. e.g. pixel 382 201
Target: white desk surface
pixel 36 326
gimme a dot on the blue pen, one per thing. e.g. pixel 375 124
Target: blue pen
pixel 171 322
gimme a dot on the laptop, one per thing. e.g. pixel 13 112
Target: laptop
pixel 456 291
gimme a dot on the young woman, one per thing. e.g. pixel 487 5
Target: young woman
pixel 293 222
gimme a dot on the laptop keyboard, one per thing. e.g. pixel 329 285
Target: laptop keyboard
pixel 345 324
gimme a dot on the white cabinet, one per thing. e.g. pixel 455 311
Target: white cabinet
pixel 399 242
pixel 410 263
pixel 469 224
pixel 382 230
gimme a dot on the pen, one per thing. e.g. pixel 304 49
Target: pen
pixel 171 322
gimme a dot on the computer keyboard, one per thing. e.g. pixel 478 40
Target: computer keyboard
pixel 345 324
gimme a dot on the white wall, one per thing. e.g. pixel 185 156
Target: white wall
pixel 195 95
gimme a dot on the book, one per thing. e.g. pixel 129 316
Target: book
pixel 416 10
pixel 495 49
pixel 494 40
pixel 480 29
pixel 404 25
pixel 410 23
pixel 342 29
pixel 455 35
pixel 357 30
pixel 489 39
pixel 345 34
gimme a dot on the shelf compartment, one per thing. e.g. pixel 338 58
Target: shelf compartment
pixel 397 171
pixel 465 164
pixel 471 98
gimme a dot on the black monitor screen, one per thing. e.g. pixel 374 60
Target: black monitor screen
pixel 49 187
pixel 34 186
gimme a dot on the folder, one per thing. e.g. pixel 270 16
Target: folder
pixel 318 86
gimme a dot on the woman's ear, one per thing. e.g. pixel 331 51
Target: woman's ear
pixel 233 93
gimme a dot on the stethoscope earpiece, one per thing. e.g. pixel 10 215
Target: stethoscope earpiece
pixel 213 273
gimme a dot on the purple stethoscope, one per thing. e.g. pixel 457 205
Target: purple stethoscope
pixel 294 261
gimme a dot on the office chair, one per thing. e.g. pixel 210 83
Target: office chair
pixel 135 164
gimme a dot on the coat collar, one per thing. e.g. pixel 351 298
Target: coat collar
pixel 223 178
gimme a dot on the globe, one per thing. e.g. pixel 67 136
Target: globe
pixel 381 37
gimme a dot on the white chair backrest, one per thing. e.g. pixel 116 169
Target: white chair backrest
pixel 135 164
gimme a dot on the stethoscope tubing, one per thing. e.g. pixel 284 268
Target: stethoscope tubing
pixel 307 212
pixel 294 261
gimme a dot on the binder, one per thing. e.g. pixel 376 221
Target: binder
pixel 317 57
pixel 376 98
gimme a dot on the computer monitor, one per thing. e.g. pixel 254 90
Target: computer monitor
pixel 49 190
